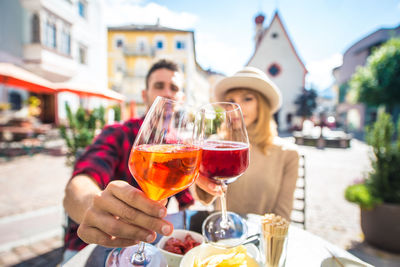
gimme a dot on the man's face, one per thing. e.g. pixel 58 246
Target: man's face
pixel 162 82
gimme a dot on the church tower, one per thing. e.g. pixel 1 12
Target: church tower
pixel 276 55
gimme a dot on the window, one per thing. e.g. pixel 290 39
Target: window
pixel 274 35
pixel 182 67
pixel 120 66
pixel 66 42
pixel 142 46
pixel 159 44
pixel 274 70
pixel 51 34
pixel 15 100
pixel 180 45
pixel 82 8
pixel 119 43
pixel 35 28
pixel 82 54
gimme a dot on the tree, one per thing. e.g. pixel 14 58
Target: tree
pixel 306 102
pixel 378 82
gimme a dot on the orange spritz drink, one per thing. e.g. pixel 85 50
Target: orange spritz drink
pixel 166 169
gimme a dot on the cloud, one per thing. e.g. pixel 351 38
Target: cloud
pixel 218 55
pixel 211 52
pixel 320 72
pixel 121 12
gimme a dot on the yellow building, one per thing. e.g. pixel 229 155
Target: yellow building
pixel 132 49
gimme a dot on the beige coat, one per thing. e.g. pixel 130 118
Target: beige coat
pixel 267 185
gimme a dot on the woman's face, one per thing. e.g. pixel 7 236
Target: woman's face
pixel 247 102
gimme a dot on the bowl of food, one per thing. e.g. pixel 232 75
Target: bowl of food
pixel 175 246
pixel 207 255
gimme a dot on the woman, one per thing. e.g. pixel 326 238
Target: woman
pixel 268 184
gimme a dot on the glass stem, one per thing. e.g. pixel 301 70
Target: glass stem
pixel 139 259
pixel 224 221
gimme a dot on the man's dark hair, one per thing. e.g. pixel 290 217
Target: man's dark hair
pixel 161 64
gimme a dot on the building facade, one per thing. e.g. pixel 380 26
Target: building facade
pixel 62 41
pixel 275 55
pixel 354 116
pixel 132 49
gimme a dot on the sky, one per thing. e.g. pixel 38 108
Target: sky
pixel 321 30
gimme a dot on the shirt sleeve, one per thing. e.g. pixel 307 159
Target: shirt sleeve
pixel 184 199
pixel 284 203
pixel 100 159
pixel 202 196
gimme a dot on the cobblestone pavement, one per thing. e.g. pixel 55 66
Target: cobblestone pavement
pixel 33 182
pixel 47 252
pixel 328 173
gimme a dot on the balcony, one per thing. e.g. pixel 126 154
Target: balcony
pixel 142 51
pixel 49 63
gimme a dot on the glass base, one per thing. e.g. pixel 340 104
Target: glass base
pixel 121 257
pixel 225 235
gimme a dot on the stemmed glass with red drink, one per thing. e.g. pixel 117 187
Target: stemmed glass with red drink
pixel 225 157
pixel 164 160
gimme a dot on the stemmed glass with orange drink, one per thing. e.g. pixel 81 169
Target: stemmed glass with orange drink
pixel 164 160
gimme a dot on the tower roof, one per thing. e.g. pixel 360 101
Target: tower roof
pixel 265 33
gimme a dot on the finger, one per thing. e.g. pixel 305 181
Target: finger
pixel 137 199
pixel 163 202
pixel 131 215
pixel 208 186
pixel 92 235
pixel 112 226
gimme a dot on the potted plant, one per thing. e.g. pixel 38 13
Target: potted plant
pixel 80 131
pixel 379 194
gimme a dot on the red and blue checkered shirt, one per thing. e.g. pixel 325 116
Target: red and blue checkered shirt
pixel 106 160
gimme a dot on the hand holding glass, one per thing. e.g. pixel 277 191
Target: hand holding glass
pixel 164 160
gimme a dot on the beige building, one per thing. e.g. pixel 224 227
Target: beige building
pixel 276 56
pixel 132 49
pixel 354 116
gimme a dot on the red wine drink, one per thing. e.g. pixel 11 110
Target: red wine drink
pixel 224 161
pixel 225 157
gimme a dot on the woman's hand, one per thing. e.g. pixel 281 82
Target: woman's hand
pixel 209 186
pixel 121 216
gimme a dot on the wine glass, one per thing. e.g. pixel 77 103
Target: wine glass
pixel 164 160
pixel 225 157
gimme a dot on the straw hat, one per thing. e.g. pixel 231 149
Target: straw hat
pixel 251 78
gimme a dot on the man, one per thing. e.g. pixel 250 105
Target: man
pixel 103 197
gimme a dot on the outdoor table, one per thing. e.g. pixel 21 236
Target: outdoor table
pixel 304 248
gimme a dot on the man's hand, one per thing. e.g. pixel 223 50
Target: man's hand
pixel 121 216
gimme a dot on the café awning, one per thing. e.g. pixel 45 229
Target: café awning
pixel 15 76
pixel 87 90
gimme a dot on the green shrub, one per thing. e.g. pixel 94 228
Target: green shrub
pixel 81 130
pixel 383 182
pixel 117 113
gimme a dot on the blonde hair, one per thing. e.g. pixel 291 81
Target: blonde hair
pixel 263 131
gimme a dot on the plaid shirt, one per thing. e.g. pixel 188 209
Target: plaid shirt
pixel 106 160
